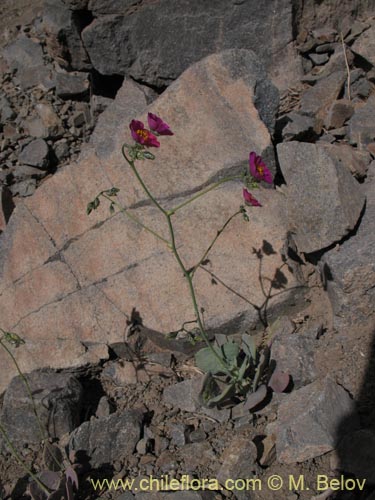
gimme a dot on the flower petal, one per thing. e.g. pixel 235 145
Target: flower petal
pixel 158 125
pixel 258 169
pixel 141 135
pixel 249 198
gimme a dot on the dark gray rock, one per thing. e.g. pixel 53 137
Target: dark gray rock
pixel 155 42
pixel 349 272
pixel 354 160
pixel 361 125
pixel 356 455
pixel 308 420
pixel 26 57
pixel 73 85
pixel 36 154
pixel 76 4
pixel 335 64
pixel 6 111
pixel 184 395
pixel 326 48
pixel 238 460
pixel 130 101
pixel 109 438
pixel 365 45
pixel 294 354
pixel 324 200
pixel 360 90
pixel 338 113
pixel 23 53
pixel 319 59
pixel 57 397
pixel 178 434
pixel 61 149
pixel 195 456
pixel 316 100
pixel 298 127
pixel 22 172
pixel 62 28
pixel 24 188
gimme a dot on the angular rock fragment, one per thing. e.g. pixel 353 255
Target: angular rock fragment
pixel 294 354
pixel 107 439
pixel 36 154
pixel 57 397
pixel 364 46
pixel 316 100
pixel 238 460
pixel 74 85
pixel 324 201
pixel 349 272
pixel 356 161
pixel 361 125
pixel 184 395
pixel 339 112
pixel 308 421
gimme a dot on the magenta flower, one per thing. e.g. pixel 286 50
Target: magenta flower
pixel 142 135
pixel 249 198
pixel 258 168
pixel 157 125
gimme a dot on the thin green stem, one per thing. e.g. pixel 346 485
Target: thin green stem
pixel 21 463
pixel 203 192
pixel 213 242
pixel 136 220
pixel 186 273
pixel 193 296
pixel 139 178
pixel 42 430
pixel 28 389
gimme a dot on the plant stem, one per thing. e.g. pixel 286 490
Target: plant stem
pixel 30 394
pixel 204 191
pixel 28 389
pixel 213 242
pixel 136 220
pixel 139 178
pixel 189 279
pixel 20 461
pixel 186 273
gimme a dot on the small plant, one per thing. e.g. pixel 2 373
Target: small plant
pixel 59 482
pixel 232 369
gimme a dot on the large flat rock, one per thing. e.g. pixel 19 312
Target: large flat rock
pixel 155 42
pixel 324 200
pixel 70 281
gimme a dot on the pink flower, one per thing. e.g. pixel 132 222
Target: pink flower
pixel 157 125
pixel 142 135
pixel 249 198
pixel 258 169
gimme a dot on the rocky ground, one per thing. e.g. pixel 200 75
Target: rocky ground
pixel 119 399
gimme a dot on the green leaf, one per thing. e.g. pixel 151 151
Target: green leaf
pixel 225 394
pixel 95 203
pixel 210 389
pixel 112 208
pixel 89 208
pixel 13 338
pixel 231 350
pixel 207 361
pixel 244 366
pixel 248 346
pixel 112 192
pixel 148 155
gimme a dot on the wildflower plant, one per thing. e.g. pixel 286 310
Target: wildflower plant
pixel 60 480
pixel 231 368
